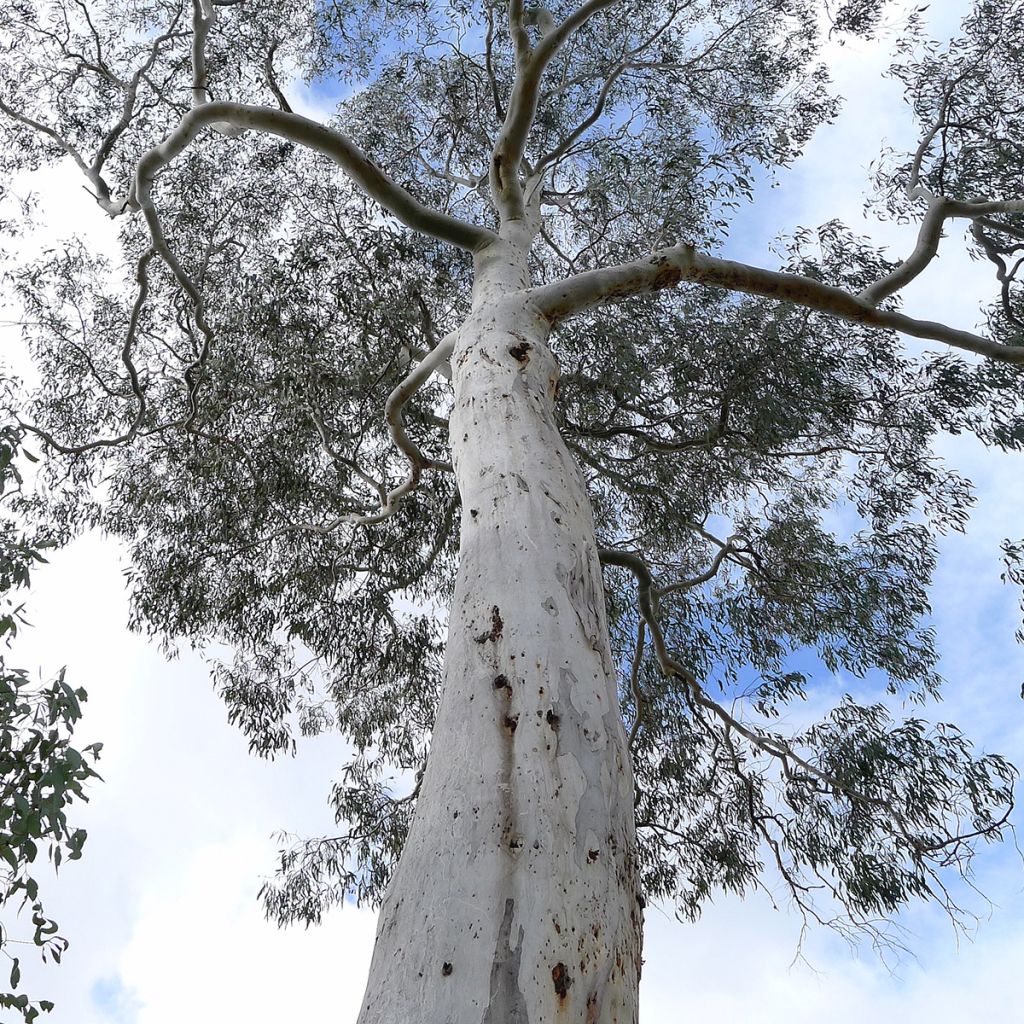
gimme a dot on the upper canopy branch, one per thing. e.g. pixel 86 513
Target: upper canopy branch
pixel 303 131
pixel 939 211
pixel 670 267
pixel 510 146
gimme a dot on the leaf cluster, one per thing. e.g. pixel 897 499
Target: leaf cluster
pixel 41 773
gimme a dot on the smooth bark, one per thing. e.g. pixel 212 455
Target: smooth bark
pixel 515 900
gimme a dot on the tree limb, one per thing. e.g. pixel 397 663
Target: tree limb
pixel 510 146
pixel 670 267
pixel 333 144
pixel 939 211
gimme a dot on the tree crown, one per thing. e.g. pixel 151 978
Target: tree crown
pixel 292 280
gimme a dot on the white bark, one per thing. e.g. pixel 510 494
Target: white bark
pixel 515 899
pixel 670 267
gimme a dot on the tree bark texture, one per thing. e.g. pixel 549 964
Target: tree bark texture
pixel 515 900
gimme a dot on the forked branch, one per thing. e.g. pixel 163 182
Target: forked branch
pixel 510 146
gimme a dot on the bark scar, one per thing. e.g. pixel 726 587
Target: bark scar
pixel 521 352
pixel 507 1005
pixel 497 625
pixel 560 976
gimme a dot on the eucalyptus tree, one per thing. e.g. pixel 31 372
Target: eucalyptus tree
pixel 475 343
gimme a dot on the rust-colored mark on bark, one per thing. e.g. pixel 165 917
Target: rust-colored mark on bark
pixel 592 855
pixel 552 719
pixel 502 683
pixel 521 352
pixel 494 633
pixel 560 976
pixel 593 1008
pixel 512 723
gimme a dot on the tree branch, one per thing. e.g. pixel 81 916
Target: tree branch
pixel 668 268
pixel 939 211
pixel 510 146
pixel 333 144
pixel 142 277
pixel 770 744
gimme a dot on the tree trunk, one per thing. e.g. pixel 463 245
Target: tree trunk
pixel 515 899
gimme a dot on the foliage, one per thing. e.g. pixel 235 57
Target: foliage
pixel 41 773
pixel 772 462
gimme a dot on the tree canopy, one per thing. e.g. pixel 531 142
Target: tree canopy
pixel 248 399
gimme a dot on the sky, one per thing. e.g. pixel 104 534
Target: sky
pixel 162 911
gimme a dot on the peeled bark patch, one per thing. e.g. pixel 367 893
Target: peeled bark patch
pixel 496 627
pixel 507 1004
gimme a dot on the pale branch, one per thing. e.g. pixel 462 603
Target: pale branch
pixel 939 211
pixel 194 372
pixel 634 682
pixel 1002 226
pixel 430 335
pixel 517 31
pixel 917 162
pixel 509 149
pixel 1004 275
pixel 275 88
pixel 43 129
pixel 128 108
pixel 202 22
pixel 670 267
pixel 559 35
pixel 924 252
pixel 416 378
pixel 204 17
pixel 418 462
pixel 93 169
pixel 563 148
pixel 914 189
pixel 142 277
pixel 627 63
pixel 729 548
pixel 332 144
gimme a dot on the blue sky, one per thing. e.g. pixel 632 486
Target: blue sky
pixel 162 913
